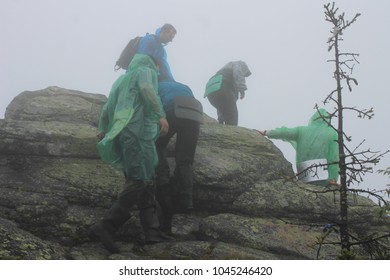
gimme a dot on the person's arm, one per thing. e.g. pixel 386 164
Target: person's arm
pixel 147 78
pixel 262 132
pixel 239 79
pixel 283 133
pixel 103 122
pixel 165 69
pixel 152 100
pixel 164 126
pixel 151 45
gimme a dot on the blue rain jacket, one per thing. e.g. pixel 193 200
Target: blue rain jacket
pixel 150 45
pixel 168 90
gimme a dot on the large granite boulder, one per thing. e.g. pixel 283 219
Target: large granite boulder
pixel 54 186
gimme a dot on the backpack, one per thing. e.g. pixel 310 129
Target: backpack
pixel 189 108
pixel 127 54
pixel 214 84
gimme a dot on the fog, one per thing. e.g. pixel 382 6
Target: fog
pixel 74 44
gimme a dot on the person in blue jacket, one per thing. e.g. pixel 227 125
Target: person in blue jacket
pixel 184 115
pixel 154 45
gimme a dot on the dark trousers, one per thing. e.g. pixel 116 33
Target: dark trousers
pixel 135 193
pixel 187 132
pixel 225 101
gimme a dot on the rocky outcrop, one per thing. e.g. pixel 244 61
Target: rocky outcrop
pixel 53 187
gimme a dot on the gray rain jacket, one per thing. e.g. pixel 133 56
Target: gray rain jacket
pixel 240 72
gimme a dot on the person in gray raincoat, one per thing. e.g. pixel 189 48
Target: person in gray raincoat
pixel 223 89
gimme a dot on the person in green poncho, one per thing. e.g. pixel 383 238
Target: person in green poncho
pixel 317 154
pixel 130 123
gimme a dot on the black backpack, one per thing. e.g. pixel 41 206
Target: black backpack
pixel 188 107
pixel 127 54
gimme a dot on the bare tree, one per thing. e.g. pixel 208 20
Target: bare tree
pixel 353 163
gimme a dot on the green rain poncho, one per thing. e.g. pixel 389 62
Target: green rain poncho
pixel 130 121
pixel 317 141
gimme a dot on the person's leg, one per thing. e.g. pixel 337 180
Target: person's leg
pixel 216 99
pixel 186 142
pixel 220 117
pixel 149 216
pixel 229 108
pixel 162 170
pixel 118 214
pixel 164 193
pixel 165 199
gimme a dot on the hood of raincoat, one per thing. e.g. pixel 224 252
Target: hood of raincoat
pixel 245 68
pixel 241 65
pixel 140 60
pixel 158 31
pixel 320 117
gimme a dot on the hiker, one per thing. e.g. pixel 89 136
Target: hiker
pixel 154 44
pixel 223 89
pixel 317 154
pixel 184 114
pixel 131 121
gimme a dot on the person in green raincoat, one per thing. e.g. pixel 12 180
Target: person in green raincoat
pixel 130 123
pixel 317 154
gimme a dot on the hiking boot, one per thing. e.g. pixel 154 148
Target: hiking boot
pixel 165 208
pixel 151 226
pixel 187 209
pixel 104 235
pixel 185 183
pixel 156 236
pixel 166 223
pixel 185 203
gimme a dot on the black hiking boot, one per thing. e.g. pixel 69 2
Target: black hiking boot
pixel 156 236
pixel 166 223
pixel 151 226
pixel 105 236
pixel 184 188
pixel 165 208
pixel 186 204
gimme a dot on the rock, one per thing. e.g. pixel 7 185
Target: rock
pixel 56 104
pixel 54 187
pixel 18 244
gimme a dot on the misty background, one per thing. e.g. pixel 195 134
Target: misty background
pixel 74 44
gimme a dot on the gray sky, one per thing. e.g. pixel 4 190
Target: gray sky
pixel 75 43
